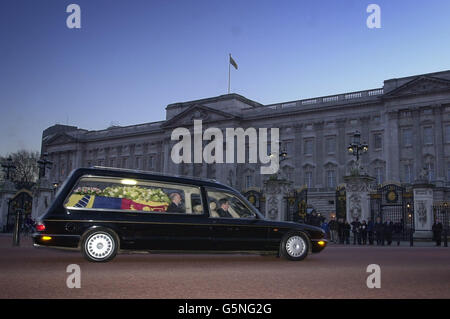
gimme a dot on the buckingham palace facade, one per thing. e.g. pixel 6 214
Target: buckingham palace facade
pixel 406 124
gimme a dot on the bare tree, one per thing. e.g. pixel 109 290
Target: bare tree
pixel 27 169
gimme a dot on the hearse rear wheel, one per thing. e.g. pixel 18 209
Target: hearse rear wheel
pixel 294 246
pixel 99 245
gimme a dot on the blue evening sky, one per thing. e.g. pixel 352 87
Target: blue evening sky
pixel 132 58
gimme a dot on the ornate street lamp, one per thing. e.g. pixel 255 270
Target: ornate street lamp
pixel 283 155
pixel 43 163
pixel 8 167
pixel 356 148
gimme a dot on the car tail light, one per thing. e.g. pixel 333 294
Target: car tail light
pixel 40 227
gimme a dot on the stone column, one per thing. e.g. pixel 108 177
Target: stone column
pixel 43 195
pixel 318 154
pixel 417 143
pixel 439 138
pixel 358 198
pixel 274 191
pixel 341 150
pixel 423 209
pixel 7 191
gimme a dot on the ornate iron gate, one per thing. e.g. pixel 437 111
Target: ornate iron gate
pixel 392 203
pixel 296 202
pixel 23 201
pixel 341 203
pixel 441 215
pixel 256 199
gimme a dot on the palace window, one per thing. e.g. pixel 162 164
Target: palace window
pixel 151 162
pixel 428 135
pixel 408 173
pixel 308 147
pixel 331 145
pixel 138 163
pixel 308 179
pixel 447 133
pixel 288 148
pixel 448 172
pixel 378 141
pixel 407 137
pixel 379 175
pixel 331 178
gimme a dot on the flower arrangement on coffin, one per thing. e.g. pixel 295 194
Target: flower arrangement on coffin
pixel 85 190
pixel 121 197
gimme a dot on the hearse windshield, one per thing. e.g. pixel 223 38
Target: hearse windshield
pixel 114 193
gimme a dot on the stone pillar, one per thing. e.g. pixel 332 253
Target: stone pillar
pixel 43 195
pixel 358 199
pixel 423 209
pixel 391 147
pixel 274 191
pixel 7 191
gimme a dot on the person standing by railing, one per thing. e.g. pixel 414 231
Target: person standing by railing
pixel 333 226
pixel 370 231
pixel 379 229
pixel 388 230
pixel 437 232
pixel 356 228
pixel 364 232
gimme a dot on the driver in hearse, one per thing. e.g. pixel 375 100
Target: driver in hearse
pixel 176 205
pixel 224 205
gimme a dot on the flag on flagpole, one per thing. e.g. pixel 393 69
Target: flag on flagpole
pixel 233 63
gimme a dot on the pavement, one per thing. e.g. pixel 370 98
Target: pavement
pixel 340 271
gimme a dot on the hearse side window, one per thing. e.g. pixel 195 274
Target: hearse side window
pixel 111 193
pixel 227 205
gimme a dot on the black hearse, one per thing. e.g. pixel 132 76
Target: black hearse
pixel 103 210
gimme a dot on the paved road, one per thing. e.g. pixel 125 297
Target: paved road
pixel 339 271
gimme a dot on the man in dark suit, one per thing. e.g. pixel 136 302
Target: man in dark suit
pixel 437 232
pixel 224 205
pixel 175 206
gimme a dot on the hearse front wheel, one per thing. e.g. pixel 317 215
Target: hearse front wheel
pixel 294 246
pixel 99 245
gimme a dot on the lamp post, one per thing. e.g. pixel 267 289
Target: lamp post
pixel 43 163
pixel 283 155
pixel 8 167
pixel 17 224
pixel 411 220
pixel 445 224
pixel 355 148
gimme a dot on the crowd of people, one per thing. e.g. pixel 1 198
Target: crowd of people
pixel 364 232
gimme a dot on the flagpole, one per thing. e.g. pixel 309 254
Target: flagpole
pixel 229 72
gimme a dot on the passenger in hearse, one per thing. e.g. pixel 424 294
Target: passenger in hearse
pixel 224 205
pixel 197 207
pixel 213 208
pixel 175 206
